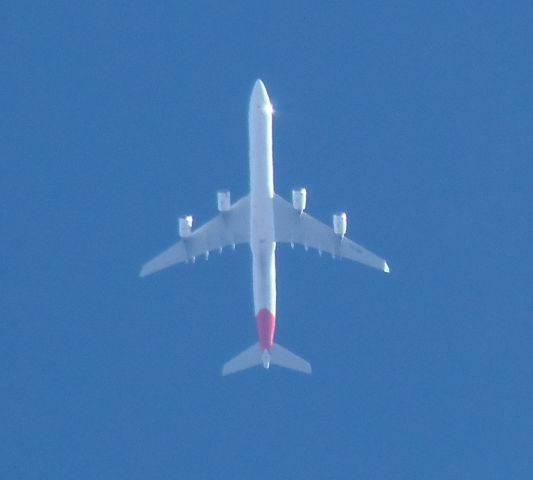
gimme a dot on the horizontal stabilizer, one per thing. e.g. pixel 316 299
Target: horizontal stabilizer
pixel 277 355
pixel 247 359
pixel 284 358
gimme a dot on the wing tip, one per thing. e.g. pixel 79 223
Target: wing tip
pixel 145 271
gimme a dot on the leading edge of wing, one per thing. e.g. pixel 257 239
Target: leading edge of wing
pixel 292 226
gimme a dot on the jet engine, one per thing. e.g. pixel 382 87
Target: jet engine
pixel 185 226
pixel 223 200
pixel 339 224
pixel 299 199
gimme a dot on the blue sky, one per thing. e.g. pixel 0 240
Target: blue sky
pixel 414 117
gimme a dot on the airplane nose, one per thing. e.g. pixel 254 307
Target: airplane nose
pixel 259 93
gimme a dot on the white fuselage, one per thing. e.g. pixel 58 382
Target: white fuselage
pixel 262 235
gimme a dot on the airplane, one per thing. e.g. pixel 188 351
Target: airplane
pixel 261 219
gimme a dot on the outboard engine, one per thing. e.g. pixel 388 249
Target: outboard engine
pixel 299 199
pixel 339 224
pixel 185 226
pixel 223 200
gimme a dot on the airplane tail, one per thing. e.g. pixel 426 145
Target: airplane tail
pixel 277 355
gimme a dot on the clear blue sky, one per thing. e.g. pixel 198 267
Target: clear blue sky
pixel 414 117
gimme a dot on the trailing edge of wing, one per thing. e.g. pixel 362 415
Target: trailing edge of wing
pixel 293 227
pixel 227 228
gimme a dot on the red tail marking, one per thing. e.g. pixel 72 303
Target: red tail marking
pixel 266 324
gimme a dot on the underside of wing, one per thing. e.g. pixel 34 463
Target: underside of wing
pixel 244 360
pixel 291 226
pixel 231 227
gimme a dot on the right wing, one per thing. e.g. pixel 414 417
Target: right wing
pixel 293 227
pixel 227 228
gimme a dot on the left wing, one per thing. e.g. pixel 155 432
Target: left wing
pixel 293 227
pixel 227 228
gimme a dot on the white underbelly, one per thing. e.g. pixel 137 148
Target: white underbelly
pixel 262 237
pixel 264 276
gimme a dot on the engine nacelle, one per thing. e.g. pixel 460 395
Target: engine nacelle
pixel 299 199
pixel 223 200
pixel 340 224
pixel 185 226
